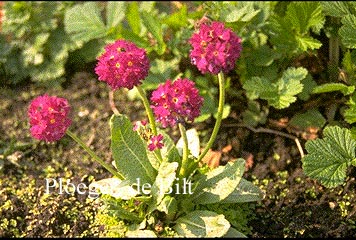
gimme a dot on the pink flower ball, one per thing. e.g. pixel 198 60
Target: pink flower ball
pixel 176 102
pixel 48 117
pixel 122 64
pixel 215 48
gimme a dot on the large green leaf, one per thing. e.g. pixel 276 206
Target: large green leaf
pixel 139 233
pixel 291 33
pixel 154 26
pixel 350 113
pixel 133 17
pixel 83 22
pixel 243 11
pixel 336 8
pixel 160 71
pixel 129 151
pixel 202 224
pixel 193 143
pixel 328 158
pixel 233 233
pixel 348 31
pixel 306 42
pixel 169 206
pixel 244 192
pixel 115 188
pixel 164 180
pixel 218 183
pixel 281 93
pixel 305 15
pixel 115 13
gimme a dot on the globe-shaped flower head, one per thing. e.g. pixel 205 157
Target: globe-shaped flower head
pixel 176 102
pixel 122 64
pixel 49 117
pixel 215 48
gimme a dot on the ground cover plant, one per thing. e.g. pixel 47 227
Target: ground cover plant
pixel 249 103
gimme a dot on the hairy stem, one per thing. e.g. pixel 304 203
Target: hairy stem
pixel 185 163
pixel 112 103
pixel 150 116
pixel 96 158
pixel 218 118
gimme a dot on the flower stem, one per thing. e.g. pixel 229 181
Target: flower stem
pixel 112 103
pixel 150 116
pixel 218 118
pixel 185 163
pixel 93 155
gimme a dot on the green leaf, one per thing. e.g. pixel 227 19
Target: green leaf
pixel 305 15
pixel 348 31
pixel 263 56
pixel 193 143
pixel 115 13
pixel 350 114
pixel 348 64
pixel 164 180
pixel 254 115
pixel 306 42
pixel 281 93
pixel 177 19
pixel 154 26
pixel 129 151
pixel 242 11
pixel 226 111
pixel 233 233
pixel 244 192
pixel 202 224
pixel 115 209
pixel 335 8
pixel 133 17
pixel 169 151
pixel 114 187
pixel 218 183
pixel 287 87
pixel 332 87
pixel 311 118
pixel 209 104
pixel 328 158
pixel 290 33
pixel 256 86
pixel 138 233
pixel 169 206
pixel 308 86
pixel 160 71
pixel 135 38
pixel 83 22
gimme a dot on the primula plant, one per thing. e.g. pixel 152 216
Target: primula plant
pixel 158 186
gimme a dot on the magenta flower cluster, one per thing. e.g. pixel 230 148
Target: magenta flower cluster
pixel 176 102
pixel 215 48
pixel 155 142
pixel 49 117
pixel 122 64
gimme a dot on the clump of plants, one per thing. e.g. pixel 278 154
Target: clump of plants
pixel 159 187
